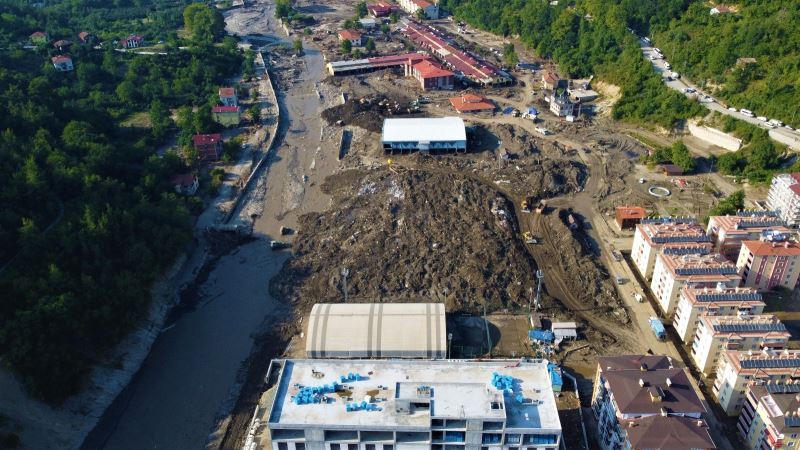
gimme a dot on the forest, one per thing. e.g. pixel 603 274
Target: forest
pixel 89 219
pixel 592 38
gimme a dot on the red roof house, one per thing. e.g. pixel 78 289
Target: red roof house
pixel 185 183
pixel 471 103
pixel 62 44
pixel 133 41
pixel 351 35
pixel 628 216
pixel 380 9
pixel 209 146
pixel 62 63
pixel 430 75
pixel 85 37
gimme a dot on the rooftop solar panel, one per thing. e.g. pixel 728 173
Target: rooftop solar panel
pixel 776 363
pixel 749 327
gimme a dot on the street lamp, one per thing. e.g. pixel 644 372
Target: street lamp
pixel 449 343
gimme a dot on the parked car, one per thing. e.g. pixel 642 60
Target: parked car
pixel 746 112
pixel 732 109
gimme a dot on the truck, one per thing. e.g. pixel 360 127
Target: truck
pixel 658 328
pixel 639 297
pixel 542 131
pixel 529 239
pixel 525 206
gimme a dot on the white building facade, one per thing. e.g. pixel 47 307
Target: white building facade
pixel 413 405
pixel 784 197
pixel 741 333
pixel 719 301
pixel 738 369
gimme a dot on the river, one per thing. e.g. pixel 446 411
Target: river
pixel 190 376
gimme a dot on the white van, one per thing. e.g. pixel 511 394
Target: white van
pixel 746 112
pixel 667 66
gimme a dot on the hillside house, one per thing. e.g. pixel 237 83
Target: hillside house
pixel 227 96
pixel 86 38
pixel 380 9
pixel 62 63
pixel 469 103
pixel 720 9
pixel 561 106
pixel 552 81
pixel 185 183
pixel 133 41
pixel 62 45
pixel 208 146
pixel 39 38
pixel 227 116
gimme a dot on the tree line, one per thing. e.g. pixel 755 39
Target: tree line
pixel 71 294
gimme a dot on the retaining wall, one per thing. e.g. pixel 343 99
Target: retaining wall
pixel 716 137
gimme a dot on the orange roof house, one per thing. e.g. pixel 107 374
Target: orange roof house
pixel 471 103
pixel 628 216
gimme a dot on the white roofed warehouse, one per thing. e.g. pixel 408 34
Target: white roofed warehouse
pixel 377 330
pixel 427 135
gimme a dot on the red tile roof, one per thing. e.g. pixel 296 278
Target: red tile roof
pixel 795 176
pixel 428 69
pixel 631 212
pixel 135 37
pixel 37 34
pixel 795 188
pixel 762 248
pixel 60 59
pixel 380 9
pixel 183 179
pixel 471 102
pixel 227 92
pixel 550 77
pixel 422 3
pixel 83 35
pixel 206 139
pixel 61 43
pixel 225 109
pixel 349 35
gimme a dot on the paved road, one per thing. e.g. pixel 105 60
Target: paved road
pixel 682 83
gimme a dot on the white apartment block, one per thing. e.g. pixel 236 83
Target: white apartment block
pixel 728 232
pixel 716 334
pixel 641 400
pixel 430 7
pixel 673 272
pixel 767 264
pixel 719 301
pixel 738 369
pixel 411 405
pixel 784 197
pixel 653 236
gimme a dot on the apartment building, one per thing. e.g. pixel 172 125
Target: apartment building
pixel 770 262
pixel 653 236
pixel 673 272
pixel 718 301
pixel 738 369
pixel 643 402
pixel 744 332
pixel 770 417
pixel 409 405
pixel 728 232
pixel 784 197
pixel 430 8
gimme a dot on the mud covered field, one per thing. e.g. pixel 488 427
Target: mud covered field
pixel 410 235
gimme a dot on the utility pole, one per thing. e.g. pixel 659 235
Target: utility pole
pixel 539 277
pixel 488 337
pixel 449 344
pixel 345 272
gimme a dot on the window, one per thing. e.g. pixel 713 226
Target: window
pixel 283 446
pixel 388 447
pixel 791 444
pixel 335 447
pixel 300 446
pixel 352 446
pixel 369 447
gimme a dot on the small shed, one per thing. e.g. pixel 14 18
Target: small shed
pixel 368 23
pixel 629 216
pixel 565 330
pixel 671 170
pixel 541 336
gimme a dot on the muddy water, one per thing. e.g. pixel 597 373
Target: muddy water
pixel 190 375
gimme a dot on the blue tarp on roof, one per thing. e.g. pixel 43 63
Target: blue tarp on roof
pixel 541 335
pixel 555 376
pixel 508 110
pixel 533 111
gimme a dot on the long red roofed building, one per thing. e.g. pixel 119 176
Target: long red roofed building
pixel 471 103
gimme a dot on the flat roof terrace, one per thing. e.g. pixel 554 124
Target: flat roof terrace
pixel 405 395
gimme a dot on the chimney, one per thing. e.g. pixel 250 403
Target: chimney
pixel 643 367
pixel 641 382
pixel 669 382
pixel 664 412
pixel 700 423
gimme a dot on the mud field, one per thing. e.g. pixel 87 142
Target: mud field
pixel 410 235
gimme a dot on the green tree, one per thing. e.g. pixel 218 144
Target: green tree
pixel 160 119
pixel 370 45
pixel 346 46
pixel 297 45
pixel 394 17
pixel 729 205
pixel 203 23
pixel 203 121
pixel 510 55
pixel 361 9
pixel 255 113
pixel 283 8
pixel 385 28
pixel 357 53
pixel 680 156
pixel 420 14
